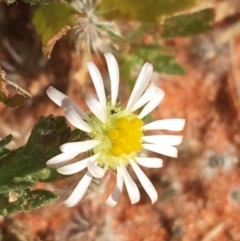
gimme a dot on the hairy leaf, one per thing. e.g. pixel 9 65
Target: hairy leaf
pixel 23 167
pixel 145 11
pixel 188 24
pixel 24 200
pixel 3 143
pixel 162 62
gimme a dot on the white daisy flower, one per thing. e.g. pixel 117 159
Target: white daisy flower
pixel 116 135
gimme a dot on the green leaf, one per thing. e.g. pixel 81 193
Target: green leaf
pixel 24 200
pixel 77 135
pixel 188 24
pixel 168 64
pixel 162 63
pixel 52 21
pixel 145 11
pixel 23 167
pixel 15 101
pixel 3 143
pixel 15 186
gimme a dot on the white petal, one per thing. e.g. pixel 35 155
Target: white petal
pixel 76 120
pixel 79 111
pixel 79 146
pixel 79 190
pixel 170 140
pixel 63 101
pixel 95 170
pixel 168 124
pixel 147 185
pixel 131 186
pixel 140 86
pixel 56 96
pixel 98 82
pixel 152 104
pixel 161 149
pixel 150 162
pixel 149 93
pixel 77 166
pixel 60 159
pixel 97 109
pixel 114 76
pixel 114 197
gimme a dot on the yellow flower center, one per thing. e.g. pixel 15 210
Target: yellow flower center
pixel 120 137
pixel 126 136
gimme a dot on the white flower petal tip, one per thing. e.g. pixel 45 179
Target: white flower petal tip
pixel 56 96
pixel 168 124
pixel 60 159
pixel 171 140
pixel 79 190
pixel 152 104
pixel 98 82
pixel 97 109
pixel 141 84
pixel 161 149
pixel 147 185
pixel 147 96
pixel 150 162
pixel 69 170
pixel 112 200
pixel 132 189
pixel 79 146
pixel 114 76
pixel 76 120
pixel 63 101
pixel 95 170
pixel 77 166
